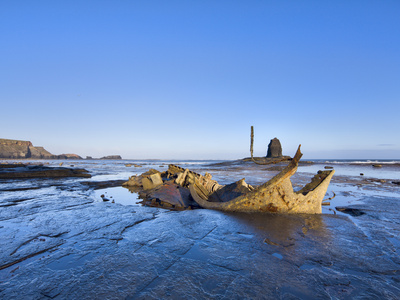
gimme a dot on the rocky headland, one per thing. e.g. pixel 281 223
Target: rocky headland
pixel 111 157
pixel 16 149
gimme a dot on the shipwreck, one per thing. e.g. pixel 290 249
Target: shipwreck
pixel 179 188
pixel 276 195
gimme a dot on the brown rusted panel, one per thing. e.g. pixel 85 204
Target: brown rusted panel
pixel 172 194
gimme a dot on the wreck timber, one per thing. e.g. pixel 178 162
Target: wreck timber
pixel 276 195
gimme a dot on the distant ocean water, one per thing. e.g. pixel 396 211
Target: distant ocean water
pixel 357 161
pixel 123 169
pixel 116 169
pixel 226 173
pixel 390 168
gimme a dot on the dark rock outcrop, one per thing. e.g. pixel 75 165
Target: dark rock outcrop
pixel 16 149
pixel 112 157
pixel 274 148
pixel 20 171
pixel 68 156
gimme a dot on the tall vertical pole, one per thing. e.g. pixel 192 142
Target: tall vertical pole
pixel 251 141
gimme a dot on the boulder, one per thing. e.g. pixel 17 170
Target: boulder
pixel 274 148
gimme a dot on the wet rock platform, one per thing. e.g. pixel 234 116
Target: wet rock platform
pixel 59 242
pixel 18 171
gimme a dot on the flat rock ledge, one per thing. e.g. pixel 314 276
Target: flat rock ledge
pixel 19 171
pixel 269 160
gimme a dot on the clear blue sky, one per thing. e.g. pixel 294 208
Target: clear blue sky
pixel 187 79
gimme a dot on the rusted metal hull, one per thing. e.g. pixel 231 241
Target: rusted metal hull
pixel 276 195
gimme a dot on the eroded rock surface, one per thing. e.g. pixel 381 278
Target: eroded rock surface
pixel 59 242
pixel 20 171
pixel 78 248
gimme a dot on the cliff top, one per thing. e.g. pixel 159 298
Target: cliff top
pixel 18 142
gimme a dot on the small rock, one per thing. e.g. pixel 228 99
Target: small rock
pixel 355 212
pixel 104 198
pixel 269 242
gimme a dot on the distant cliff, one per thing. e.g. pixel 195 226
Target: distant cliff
pixel 25 149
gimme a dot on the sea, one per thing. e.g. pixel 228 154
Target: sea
pixel 102 170
pixel 223 171
pixel 122 169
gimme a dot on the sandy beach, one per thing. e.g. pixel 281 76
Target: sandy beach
pixel 59 240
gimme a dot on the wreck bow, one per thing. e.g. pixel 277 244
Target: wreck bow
pixel 276 195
